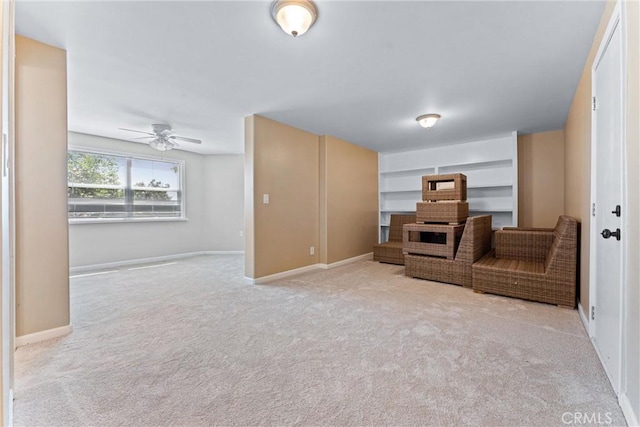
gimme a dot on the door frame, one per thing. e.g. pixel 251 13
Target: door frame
pixel 7 321
pixel 615 21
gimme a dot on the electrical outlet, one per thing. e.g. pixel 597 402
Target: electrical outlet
pixel 312 250
pixel 241 233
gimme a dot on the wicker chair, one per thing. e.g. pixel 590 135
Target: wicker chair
pixel 474 243
pixel 535 264
pixel 391 251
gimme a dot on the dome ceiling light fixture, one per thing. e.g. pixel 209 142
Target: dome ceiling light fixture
pixel 295 17
pixel 428 120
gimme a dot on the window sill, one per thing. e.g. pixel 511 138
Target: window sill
pixel 123 220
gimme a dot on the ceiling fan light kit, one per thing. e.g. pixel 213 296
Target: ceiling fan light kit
pixel 295 17
pixel 162 137
pixel 428 120
pixel 162 145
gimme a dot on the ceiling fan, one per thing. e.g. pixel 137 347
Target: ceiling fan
pixel 162 137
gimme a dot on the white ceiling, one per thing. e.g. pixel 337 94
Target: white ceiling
pixel 363 72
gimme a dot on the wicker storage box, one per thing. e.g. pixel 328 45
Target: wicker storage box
pixel 475 242
pixel 444 187
pixel 431 239
pixel 445 211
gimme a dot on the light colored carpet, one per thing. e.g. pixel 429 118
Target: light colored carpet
pixel 193 344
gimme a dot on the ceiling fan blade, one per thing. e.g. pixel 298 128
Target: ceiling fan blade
pixel 182 138
pixel 138 131
pixel 144 137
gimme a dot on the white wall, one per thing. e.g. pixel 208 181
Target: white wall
pixel 224 202
pixel 213 205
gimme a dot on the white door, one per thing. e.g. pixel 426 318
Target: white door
pixel 7 330
pixel 607 121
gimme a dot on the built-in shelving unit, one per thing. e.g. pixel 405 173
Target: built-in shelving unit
pixel 491 167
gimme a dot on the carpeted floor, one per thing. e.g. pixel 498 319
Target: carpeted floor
pixel 193 344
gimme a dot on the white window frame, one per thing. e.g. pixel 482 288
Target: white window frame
pixel 183 186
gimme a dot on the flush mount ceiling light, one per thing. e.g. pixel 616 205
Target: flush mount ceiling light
pixel 428 120
pixel 295 17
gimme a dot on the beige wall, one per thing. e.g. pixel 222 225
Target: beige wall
pixel 285 166
pixel 577 134
pixel 351 199
pixel 323 193
pixel 540 179
pixel 42 261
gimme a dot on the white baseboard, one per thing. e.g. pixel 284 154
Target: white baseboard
pixel 306 269
pixel 284 274
pixel 347 261
pixel 43 335
pixel 627 410
pixel 585 321
pixel 117 264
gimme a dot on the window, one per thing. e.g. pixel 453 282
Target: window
pixel 105 186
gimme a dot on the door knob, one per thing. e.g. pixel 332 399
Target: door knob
pixel 606 233
pixel 617 211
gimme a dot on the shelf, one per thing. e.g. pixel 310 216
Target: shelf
pixel 452 168
pixel 499 176
pixel 469 187
pixel 424 171
pixel 419 190
pixel 501 148
pixel 496 210
pixel 399 211
pixel 490 167
pixel 478 187
pixel 473 166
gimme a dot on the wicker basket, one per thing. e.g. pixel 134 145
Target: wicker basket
pixel 431 239
pixel 444 211
pixel 444 187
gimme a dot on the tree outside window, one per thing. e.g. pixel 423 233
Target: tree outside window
pixel 106 186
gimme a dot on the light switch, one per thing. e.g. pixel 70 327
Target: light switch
pixel 265 199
